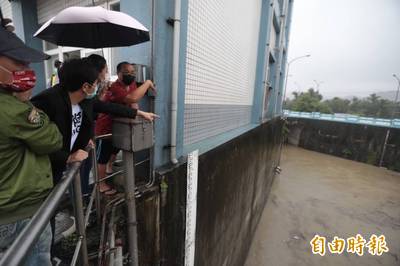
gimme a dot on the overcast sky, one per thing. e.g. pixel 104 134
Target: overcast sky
pixel 354 46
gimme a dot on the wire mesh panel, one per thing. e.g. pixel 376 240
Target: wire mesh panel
pixel 221 61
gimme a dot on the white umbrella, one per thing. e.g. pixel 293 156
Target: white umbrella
pixel 93 27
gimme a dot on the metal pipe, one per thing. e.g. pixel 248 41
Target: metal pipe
pixel 384 147
pixel 79 218
pixel 115 202
pixel 110 176
pixel 129 166
pixel 96 177
pixel 152 102
pixel 119 259
pixel 96 188
pixel 26 239
pixel 142 162
pixel 89 207
pixel 111 236
pixel 103 226
pixel 175 79
pixel 77 250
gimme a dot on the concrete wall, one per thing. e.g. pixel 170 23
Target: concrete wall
pixel 233 186
pixel 352 141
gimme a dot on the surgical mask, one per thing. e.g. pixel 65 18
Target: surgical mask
pixel 22 80
pixel 92 95
pixel 127 79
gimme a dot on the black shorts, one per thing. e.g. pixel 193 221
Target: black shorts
pixel 104 150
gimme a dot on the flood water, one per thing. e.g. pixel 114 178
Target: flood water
pixel 329 196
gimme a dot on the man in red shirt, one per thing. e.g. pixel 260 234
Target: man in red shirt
pixel 123 91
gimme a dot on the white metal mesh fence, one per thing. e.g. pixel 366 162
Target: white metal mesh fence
pixel 221 62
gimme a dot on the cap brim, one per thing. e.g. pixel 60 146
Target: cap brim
pixel 27 54
pixel 13 47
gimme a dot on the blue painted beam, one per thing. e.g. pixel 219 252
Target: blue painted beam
pixel 262 63
pixel 346 118
pixel 182 78
pixel 162 72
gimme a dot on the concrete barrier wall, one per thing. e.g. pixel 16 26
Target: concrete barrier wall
pixel 233 186
pixel 357 142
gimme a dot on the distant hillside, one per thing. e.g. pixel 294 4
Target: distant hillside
pixel 388 95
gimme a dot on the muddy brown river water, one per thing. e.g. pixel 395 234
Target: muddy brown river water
pixel 329 196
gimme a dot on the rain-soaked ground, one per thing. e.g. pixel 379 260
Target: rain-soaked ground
pixel 329 196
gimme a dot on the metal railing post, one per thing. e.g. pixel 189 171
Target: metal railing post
pixel 129 166
pixel 97 187
pixel 384 147
pixel 79 218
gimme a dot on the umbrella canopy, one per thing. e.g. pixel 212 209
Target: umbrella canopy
pixel 93 27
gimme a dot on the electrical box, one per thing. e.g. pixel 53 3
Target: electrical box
pixel 132 134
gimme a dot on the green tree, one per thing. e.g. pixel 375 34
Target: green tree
pixel 372 106
pixel 356 106
pixel 309 101
pixel 338 105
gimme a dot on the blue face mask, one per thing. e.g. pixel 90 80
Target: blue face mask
pixel 92 95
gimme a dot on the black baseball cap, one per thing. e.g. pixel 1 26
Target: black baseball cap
pixel 13 47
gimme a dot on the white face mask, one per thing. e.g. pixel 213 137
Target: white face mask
pixel 93 94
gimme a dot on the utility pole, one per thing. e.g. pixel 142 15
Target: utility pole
pixel 287 71
pixel 317 83
pixel 391 118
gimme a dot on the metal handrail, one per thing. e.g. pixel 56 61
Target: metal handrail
pixel 30 234
pixel 346 118
pixel 16 253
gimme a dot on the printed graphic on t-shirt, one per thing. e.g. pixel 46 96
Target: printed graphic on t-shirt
pixel 76 123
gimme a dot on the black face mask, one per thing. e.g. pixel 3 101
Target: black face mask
pixel 128 79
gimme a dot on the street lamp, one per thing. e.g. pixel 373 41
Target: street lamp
pixel 397 95
pixel 287 71
pixel 318 83
pixel 392 117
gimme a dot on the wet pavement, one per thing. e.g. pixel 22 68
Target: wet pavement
pixel 329 196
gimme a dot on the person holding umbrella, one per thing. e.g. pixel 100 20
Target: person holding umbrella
pixel 27 137
pixel 72 105
pixel 93 27
pixel 124 91
pixel 109 108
